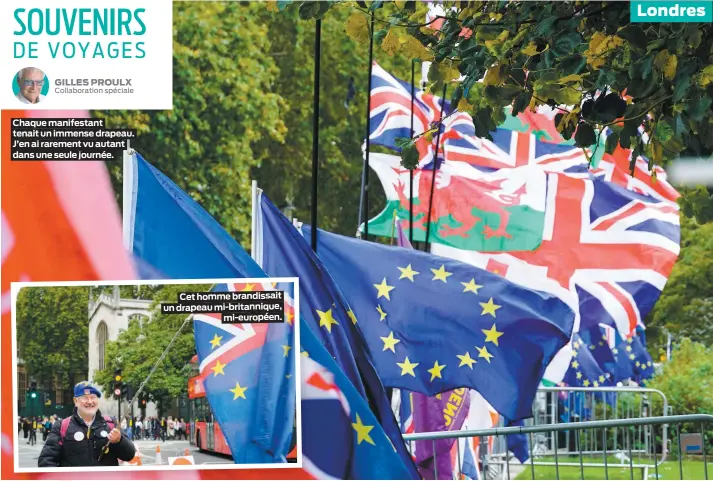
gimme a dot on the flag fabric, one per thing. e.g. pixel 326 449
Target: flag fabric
pixel 342 438
pixel 596 339
pixel 424 317
pixel 470 210
pixel 160 210
pixel 284 253
pixel 612 249
pixel 442 412
pixel 390 114
pixel 584 370
pixel 248 376
pixel 205 242
pixel 639 358
pixel 59 221
pixel 405 410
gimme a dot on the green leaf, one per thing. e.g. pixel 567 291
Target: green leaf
pixel 635 35
pixel 698 107
pixel 611 143
pixel 641 69
pixel 572 64
pixel 664 129
pixel 544 28
pixel 380 35
pixel 356 26
pixel 567 44
pixel 309 10
pixel 568 96
pixel 522 100
pixel 681 86
pixel 706 76
pixel 409 152
pixel 585 136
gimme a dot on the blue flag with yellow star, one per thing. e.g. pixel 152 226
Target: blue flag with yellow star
pixel 643 365
pixel 248 375
pixel 434 324
pixel 583 369
pixel 284 253
pixel 172 232
pixel 598 344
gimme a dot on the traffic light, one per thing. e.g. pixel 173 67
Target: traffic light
pixel 126 392
pixel 33 390
pixel 117 383
pixel 143 399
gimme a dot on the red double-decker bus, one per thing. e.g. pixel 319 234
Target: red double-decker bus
pixel 204 433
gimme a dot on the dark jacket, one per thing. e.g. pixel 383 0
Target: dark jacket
pixel 86 451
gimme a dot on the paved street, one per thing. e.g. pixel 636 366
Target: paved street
pixel 29 454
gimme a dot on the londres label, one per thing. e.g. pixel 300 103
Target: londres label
pixel 234 307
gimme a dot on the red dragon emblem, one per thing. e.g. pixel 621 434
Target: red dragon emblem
pixel 457 196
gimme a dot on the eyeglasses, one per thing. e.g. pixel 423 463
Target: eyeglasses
pixel 28 83
pixel 88 397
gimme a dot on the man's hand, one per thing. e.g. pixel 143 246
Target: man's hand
pixel 114 436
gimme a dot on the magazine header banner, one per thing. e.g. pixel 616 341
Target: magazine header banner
pixel 87 55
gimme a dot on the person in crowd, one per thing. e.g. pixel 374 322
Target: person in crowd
pixel 86 438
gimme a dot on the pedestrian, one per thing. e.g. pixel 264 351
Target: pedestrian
pixel 33 433
pixel 26 428
pixel 86 438
pixel 139 427
pixel 171 428
pixel 163 428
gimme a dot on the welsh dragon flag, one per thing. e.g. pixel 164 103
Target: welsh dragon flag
pixel 472 210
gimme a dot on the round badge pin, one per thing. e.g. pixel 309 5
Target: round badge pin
pixel 103 434
pixel 78 436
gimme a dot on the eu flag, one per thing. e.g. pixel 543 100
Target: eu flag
pixel 583 369
pixel 640 359
pixel 247 372
pixel 434 324
pixel 284 253
pixel 167 218
pixel 598 344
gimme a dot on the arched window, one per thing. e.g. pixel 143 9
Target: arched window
pixel 102 337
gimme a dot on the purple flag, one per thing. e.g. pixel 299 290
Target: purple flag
pixel 444 412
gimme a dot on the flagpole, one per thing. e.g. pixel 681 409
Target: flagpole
pixel 435 166
pixel 127 182
pixel 410 172
pixel 364 196
pixel 253 221
pixel 315 129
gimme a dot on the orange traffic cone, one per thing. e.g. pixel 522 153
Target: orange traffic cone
pixel 159 458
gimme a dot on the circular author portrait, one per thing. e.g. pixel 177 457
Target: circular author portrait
pixel 30 85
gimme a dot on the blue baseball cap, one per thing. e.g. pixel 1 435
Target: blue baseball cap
pixel 85 387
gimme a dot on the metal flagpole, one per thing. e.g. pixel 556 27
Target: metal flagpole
pixel 315 130
pixel 364 196
pixel 435 166
pixel 253 222
pixel 127 181
pixel 410 172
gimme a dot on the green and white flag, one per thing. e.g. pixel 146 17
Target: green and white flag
pixel 471 210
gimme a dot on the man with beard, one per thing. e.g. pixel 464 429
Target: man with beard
pixel 86 438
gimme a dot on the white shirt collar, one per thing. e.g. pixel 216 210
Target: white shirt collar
pixel 22 99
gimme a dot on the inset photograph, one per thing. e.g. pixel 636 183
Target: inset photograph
pixel 155 375
pixel 30 85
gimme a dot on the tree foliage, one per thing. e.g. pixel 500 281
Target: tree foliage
pixel 52 332
pixel 222 104
pixel 137 349
pixel 658 76
pixel 685 308
pixel 687 381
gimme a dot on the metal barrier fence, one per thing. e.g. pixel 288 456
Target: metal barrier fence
pixel 593 404
pixel 577 429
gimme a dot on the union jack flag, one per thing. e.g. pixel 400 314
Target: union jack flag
pixel 606 248
pixel 390 115
pixel 390 118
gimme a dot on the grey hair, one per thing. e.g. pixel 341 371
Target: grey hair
pixel 27 70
